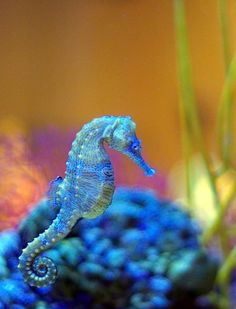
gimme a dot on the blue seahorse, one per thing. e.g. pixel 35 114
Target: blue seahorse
pixel 86 190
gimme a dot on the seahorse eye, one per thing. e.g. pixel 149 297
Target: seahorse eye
pixel 135 146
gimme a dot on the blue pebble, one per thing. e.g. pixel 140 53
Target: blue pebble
pixel 91 237
pixel 124 243
pixel 135 271
pixel 101 246
pixel 90 268
pixel 160 284
pixel 160 302
pixel 15 306
pixel 116 257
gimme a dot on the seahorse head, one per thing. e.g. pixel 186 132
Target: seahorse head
pixel 121 136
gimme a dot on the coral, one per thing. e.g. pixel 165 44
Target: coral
pixel 22 184
pixel 127 258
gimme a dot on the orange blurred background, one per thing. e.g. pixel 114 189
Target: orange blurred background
pixel 65 62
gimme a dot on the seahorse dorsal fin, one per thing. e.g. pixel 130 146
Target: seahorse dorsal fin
pixel 53 198
pixel 111 128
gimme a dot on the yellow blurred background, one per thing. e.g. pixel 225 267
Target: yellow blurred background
pixel 65 62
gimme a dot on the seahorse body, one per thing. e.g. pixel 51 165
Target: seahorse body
pixel 85 192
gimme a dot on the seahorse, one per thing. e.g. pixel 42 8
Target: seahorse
pixel 86 190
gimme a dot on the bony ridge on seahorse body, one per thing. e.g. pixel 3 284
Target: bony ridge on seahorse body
pixel 85 192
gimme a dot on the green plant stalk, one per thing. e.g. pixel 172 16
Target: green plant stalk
pixel 225 116
pixel 187 152
pixel 225 140
pixel 215 227
pixel 193 136
pixel 218 300
pixel 185 125
pixel 224 32
pixel 190 114
pixel 188 102
pixel 223 276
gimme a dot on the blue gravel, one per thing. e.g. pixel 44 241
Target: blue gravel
pixel 127 258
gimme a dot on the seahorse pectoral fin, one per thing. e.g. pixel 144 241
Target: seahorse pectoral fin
pixel 53 197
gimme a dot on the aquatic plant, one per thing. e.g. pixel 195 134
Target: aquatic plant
pixel 193 140
pixel 143 252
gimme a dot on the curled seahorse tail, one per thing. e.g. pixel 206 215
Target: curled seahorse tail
pixel 40 270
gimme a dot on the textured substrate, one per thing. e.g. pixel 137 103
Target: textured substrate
pixel 142 253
